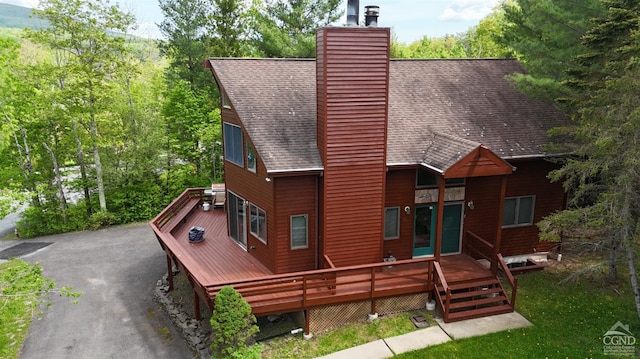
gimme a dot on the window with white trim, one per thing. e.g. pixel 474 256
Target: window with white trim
pixel 251 158
pixel 233 144
pixel 391 222
pixel 258 225
pixel 299 231
pixel 518 211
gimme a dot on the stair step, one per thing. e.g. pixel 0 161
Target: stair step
pixel 481 312
pixel 475 293
pixel 477 302
pixel 471 284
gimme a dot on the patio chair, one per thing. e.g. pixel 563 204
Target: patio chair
pixel 219 199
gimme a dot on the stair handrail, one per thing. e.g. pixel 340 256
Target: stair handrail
pixel 329 261
pixel 445 287
pixel 513 281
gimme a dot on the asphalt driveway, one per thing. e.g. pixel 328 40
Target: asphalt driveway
pixel 116 270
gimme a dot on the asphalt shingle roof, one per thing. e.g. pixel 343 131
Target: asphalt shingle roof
pixel 439 110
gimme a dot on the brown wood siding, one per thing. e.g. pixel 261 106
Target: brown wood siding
pixel 531 179
pixel 355 69
pixel 321 94
pixel 401 193
pixel 295 196
pixel 254 189
pixel 483 218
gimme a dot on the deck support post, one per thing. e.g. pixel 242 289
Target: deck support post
pixel 496 246
pixel 196 305
pixel 169 273
pixel 440 218
pixel 373 309
pixel 307 332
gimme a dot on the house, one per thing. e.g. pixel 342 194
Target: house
pixel 352 161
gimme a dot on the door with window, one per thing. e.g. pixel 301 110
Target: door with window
pixel 424 230
pixel 237 219
pixel 425 222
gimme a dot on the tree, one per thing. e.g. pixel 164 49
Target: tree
pixel 545 36
pixel 185 30
pixel 228 29
pixel 84 31
pixel 481 41
pixel 233 325
pixel 287 28
pixel 603 173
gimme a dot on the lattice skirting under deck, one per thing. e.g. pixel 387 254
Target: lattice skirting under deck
pixel 332 316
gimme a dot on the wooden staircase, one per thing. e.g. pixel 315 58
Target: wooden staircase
pixel 475 298
pixel 466 290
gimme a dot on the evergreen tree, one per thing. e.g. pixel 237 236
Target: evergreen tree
pixel 545 36
pixel 185 30
pixel 232 324
pixel 228 29
pixel 603 173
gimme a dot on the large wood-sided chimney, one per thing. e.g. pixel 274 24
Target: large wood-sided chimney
pixel 352 65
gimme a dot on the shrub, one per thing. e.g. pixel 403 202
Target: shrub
pixel 101 219
pixel 233 326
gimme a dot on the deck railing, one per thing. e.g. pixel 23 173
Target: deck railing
pixel 301 290
pixel 476 246
pixel 513 281
pixel 174 209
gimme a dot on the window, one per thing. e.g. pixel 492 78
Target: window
pixel 233 144
pixel 299 232
pixel 225 100
pixel 392 223
pixel 426 179
pixel 518 211
pixel 251 158
pixel 258 223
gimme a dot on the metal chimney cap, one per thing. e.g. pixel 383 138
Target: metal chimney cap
pixel 371 14
pixel 372 10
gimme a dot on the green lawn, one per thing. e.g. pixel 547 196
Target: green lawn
pixel 569 321
pixel 21 285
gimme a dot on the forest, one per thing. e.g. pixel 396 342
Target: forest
pixel 102 128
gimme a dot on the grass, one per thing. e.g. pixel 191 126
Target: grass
pixel 21 285
pixel 569 321
pixel 341 338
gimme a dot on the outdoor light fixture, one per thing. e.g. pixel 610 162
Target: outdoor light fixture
pixel 470 205
pixel 268 179
pixel 407 209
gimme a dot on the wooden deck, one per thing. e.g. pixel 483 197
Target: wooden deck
pixel 219 261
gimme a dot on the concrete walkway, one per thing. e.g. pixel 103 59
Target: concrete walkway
pixel 444 332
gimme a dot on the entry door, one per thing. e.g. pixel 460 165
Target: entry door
pixel 451 229
pixel 424 230
pixel 425 222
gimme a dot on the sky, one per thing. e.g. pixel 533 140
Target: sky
pixel 410 20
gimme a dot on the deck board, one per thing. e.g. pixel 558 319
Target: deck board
pixel 462 268
pixel 218 250
pixel 219 260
